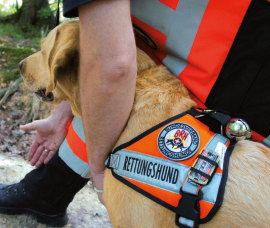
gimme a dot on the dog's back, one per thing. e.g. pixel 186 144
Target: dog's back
pixel 159 95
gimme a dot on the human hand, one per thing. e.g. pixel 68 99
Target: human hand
pixel 49 135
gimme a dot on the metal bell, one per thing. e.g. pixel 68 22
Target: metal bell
pixel 238 129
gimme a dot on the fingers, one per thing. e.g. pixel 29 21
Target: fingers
pixel 40 155
pixel 33 149
pixel 37 155
pixel 48 158
pixel 44 156
pixel 28 127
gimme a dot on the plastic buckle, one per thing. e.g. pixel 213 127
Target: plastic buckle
pixel 189 208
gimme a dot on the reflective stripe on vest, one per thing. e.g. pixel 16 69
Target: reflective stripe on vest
pixel 156 163
pixel 193 37
pixel 73 150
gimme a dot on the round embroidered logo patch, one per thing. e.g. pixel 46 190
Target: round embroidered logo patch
pixel 178 141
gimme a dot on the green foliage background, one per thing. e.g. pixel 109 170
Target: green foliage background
pixel 18 42
pixel 4 10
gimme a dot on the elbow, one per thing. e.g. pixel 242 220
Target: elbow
pixel 122 68
pixel 120 74
pixel 111 74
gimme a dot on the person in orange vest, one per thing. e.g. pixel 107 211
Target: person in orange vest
pixel 219 50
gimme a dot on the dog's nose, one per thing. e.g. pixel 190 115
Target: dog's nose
pixel 20 65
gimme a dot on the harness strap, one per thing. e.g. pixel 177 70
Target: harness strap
pixel 191 191
pixel 266 142
pixel 140 165
pixel 207 159
pixel 218 115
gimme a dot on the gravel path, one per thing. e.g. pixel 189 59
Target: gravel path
pixel 84 212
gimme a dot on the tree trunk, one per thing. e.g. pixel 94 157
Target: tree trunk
pixel 32 12
pixel 36 12
pixel 28 12
pixel 17 5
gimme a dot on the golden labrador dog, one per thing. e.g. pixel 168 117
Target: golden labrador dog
pixel 52 73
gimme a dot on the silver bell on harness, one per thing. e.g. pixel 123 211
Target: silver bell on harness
pixel 238 129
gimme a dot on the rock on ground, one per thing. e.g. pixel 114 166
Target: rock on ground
pixel 84 212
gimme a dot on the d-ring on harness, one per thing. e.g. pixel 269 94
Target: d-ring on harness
pixel 181 163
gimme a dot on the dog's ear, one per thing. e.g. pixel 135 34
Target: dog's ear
pixel 63 60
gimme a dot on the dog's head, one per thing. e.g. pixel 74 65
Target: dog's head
pixel 52 73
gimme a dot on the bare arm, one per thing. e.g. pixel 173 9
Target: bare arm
pixel 107 77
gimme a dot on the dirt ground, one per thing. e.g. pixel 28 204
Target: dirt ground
pixel 84 212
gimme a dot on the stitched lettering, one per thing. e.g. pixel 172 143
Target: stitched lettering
pixel 132 163
pixel 175 176
pixel 135 165
pixel 128 164
pixel 169 174
pixel 152 170
pixel 139 167
pixel 163 175
pixel 125 164
pixel 158 171
pixel 149 170
pixel 145 163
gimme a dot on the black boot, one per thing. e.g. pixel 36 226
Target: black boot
pixel 44 192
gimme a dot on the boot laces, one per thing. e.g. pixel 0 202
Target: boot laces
pixel 16 187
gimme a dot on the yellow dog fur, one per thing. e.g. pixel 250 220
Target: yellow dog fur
pixel 159 95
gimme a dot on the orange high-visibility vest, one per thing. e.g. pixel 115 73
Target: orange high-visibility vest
pixel 216 48
pixel 73 150
pixel 192 38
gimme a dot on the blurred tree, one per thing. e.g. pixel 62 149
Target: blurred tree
pixel 32 12
pixel 17 5
pixel 36 12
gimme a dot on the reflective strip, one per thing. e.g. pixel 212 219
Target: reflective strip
pixel 186 222
pixel 76 159
pixel 144 168
pixel 114 161
pixel 77 145
pixel 180 39
pixel 173 24
pixel 192 187
pixel 76 164
pixel 172 3
pixel 266 142
pixel 198 36
pixel 217 31
pixel 158 15
pixel 212 145
pixel 78 127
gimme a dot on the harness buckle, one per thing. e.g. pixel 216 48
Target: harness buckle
pixel 188 208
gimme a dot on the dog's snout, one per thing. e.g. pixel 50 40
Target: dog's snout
pixel 20 65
